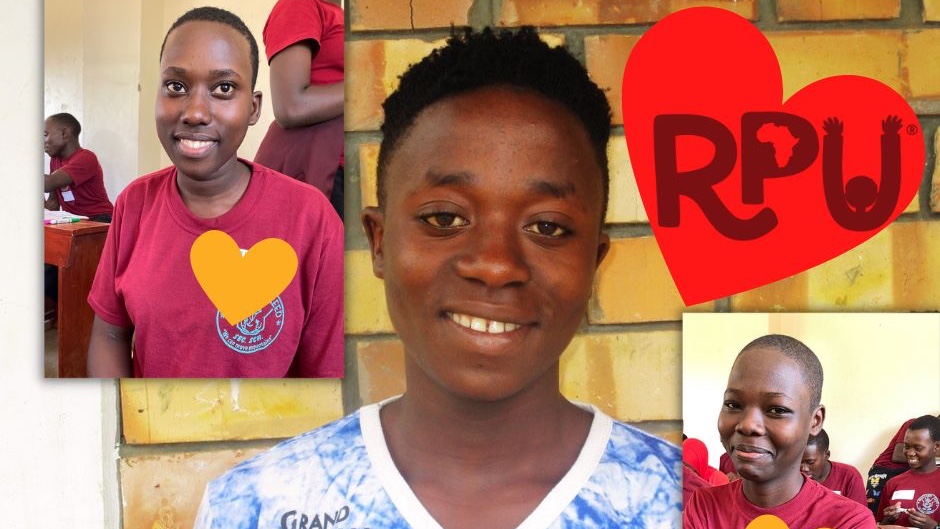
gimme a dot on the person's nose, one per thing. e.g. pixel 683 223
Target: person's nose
pixel 804 468
pixel 752 422
pixel 495 257
pixel 197 109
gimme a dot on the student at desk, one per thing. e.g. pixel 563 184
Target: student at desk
pixel 75 181
pixel 145 289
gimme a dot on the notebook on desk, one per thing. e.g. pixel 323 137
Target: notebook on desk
pixel 61 217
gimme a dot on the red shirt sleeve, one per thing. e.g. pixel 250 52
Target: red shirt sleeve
pixel 81 167
pixel 290 22
pixel 884 501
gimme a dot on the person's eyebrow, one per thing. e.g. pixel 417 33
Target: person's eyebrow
pixel 736 391
pixel 220 73
pixel 436 179
pixel 223 72
pixel 540 187
pixel 543 187
pixel 174 71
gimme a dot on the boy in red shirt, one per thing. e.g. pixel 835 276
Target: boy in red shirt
pixel 75 180
pixel 888 464
pixel 838 477
pixel 911 499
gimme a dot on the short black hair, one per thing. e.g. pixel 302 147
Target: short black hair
pixel 222 16
pixel 801 354
pixel 68 121
pixel 929 423
pixel 476 60
pixel 820 440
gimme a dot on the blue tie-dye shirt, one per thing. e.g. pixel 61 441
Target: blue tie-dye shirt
pixel 341 476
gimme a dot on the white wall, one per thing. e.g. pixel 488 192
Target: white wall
pixel 880 370
pixel 58 436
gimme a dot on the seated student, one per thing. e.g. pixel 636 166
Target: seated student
pixel 771 406
pixel 145 288
pixel 911 499
pixel 695 456
pixel 888 464
pixel 75 181
pixel 492 182
pixel 838 477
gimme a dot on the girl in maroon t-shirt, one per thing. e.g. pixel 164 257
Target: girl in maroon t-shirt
pixel 771 407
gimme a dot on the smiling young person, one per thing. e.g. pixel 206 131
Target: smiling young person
pixel 771 407
pixel 145 290
pixel 838 477
pixel 492 189
pixel 911 499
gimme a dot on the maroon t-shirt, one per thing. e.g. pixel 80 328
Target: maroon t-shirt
pixel 726 507
pixel 912 490
pixel 145 280
pixel 884 459
pixel 86 194
pixel 847 481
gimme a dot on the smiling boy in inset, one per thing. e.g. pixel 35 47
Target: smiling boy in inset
pixel 771 407
pixel 492 190
pixel 912 499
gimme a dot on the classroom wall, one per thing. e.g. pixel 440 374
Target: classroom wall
pixel 880 370
pixel 102 65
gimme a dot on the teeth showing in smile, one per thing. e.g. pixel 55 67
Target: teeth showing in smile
pixel 196 144
pixel 482 325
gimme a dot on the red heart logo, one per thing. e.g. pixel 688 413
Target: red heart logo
pixel 742 188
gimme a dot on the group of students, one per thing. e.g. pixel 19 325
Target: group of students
pixel 152 318
pixel 777 455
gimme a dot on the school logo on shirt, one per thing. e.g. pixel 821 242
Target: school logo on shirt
pixel 254 333
pixel 928 503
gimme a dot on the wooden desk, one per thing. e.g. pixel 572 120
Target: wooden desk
pixel 74 248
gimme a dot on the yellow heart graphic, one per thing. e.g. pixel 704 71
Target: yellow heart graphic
pixel 240 286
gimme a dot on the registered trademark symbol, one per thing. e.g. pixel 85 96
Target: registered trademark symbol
pixel 912 129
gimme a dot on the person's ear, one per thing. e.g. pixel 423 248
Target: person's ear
pixel 373 221
pixel 817 419
pixel 603 246
pixel 255 108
